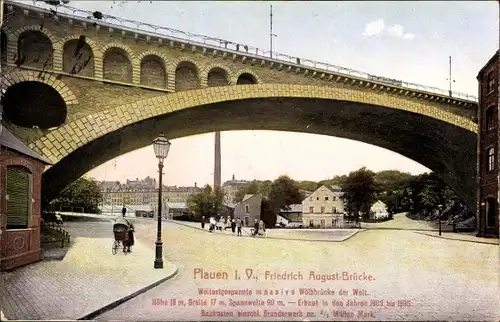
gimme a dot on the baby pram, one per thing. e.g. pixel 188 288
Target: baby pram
pixel 121 232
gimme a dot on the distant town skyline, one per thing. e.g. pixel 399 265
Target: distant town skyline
pixel 399 45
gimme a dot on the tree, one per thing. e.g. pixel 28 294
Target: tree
pixel 335 181
pixel 359 189
pixel 391 185
pixel 83 193
pixel 283 193
pixel 308 185
pixel 255 187
pixel 267 215
pixel 206 203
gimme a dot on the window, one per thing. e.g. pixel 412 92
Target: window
pixel 310 198
pixel 247 209
pixel 334 198
pixel 491 159
pixel 311 209
pixel 326 198
pixel 322 223
pixel 317 198
pixel 247 221
pixel 491 118
pixel 491 82
pixel 334 210
pixel 311 223
pixel 19 186
pixel 322 210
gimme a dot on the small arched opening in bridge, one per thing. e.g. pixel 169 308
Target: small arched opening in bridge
pixel 34 49
pixel 246 79
pixel 186 76
pixel 445 148
pixel 117 65
pixel 3 47
pixel 153 72
pixel 32 103
pixel 491 118
pixel 78 57
pixel 217 77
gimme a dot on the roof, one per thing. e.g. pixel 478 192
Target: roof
pixel 239 183
pixel 492 59
pixel 177 205
pixel 379 202
pixel 9 141
pixel 246 197
pixel 335 188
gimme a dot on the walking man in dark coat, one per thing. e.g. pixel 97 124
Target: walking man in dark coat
pixel 233 225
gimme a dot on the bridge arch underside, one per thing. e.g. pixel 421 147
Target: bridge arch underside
pixel 446 149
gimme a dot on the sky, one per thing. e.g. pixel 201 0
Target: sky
pixel 411 41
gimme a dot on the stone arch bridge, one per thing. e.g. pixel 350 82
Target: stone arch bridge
pixel 81 92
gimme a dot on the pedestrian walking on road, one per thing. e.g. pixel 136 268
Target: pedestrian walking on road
pixel 255 227
pixel 233 225
pixel 202 222
pixel 212 224
pixel 124 211
pixel 239 224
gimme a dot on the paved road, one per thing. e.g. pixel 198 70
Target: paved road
pixel 88 278
pixel 401 221
pixel 425 278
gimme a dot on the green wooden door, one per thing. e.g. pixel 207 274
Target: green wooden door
pixel 18 190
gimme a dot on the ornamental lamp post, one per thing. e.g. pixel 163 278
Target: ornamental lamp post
pixel 161 146
pixel 440 213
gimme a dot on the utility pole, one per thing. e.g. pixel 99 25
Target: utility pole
pixel 271 35
pixel 217 162
pixel 450 79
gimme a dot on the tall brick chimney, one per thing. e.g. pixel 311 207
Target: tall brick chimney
pixel 217 163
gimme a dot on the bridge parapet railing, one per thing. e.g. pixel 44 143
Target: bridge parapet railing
pixel 233 47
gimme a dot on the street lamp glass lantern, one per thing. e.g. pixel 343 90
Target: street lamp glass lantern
pixel 161 146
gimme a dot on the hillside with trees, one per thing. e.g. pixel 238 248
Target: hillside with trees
pixel 417 195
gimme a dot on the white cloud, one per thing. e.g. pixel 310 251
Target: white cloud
pixel 396 30
pixel 374 28
pixel 377 27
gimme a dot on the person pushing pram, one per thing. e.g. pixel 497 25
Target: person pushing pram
pixel 123 224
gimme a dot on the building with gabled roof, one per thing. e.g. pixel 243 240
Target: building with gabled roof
pixel 324 208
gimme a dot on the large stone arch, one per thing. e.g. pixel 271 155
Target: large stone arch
pixel 94 47
pixel 162 60
pixel 14 43
pixel 130 55
pixel 454 140
pixel 19 76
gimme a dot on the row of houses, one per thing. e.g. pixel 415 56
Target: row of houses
pixel 322 208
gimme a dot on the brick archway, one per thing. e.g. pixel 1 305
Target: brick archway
pixel 55 150
pixel 24 75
